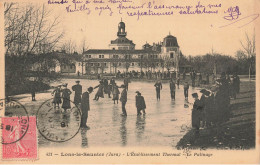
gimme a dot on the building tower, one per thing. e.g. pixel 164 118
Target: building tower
pixel 122 43
pixel 121 29
pixel 171 51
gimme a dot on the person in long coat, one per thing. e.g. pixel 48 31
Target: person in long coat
pixel 78 92
pixel 126 82
pixel 100 91
pixel 140 103
pixel 123 99
pixel 158 88
pixel 56 93
pixel 195 116
pixel 33 90
pixel 186 90
pixel 66 98
pixel 85 107
pixel 208 108
pixel 203 102
pixel 105 83
pixel 236 84
pixel 172 89
pixel 115 93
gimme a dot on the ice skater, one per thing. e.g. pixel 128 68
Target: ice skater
pixel 158 88
pixel 123 99
pixel 66 97
pixel 186 90
pixel 140 103
pixel 85 107
pixel 172 89
pixel 78 92
pixel 56 97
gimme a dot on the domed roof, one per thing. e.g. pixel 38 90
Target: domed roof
pixel 121 25
pixel 170 41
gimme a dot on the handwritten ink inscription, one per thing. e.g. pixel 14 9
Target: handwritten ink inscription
pixel 233 13
pixel 149 8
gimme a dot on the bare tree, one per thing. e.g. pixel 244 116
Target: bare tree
pixel 249 50
pixel 31 32
pixel 69 46
pixel 30 29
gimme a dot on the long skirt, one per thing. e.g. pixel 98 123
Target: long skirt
pixel 66 103
pixel 115 96
pixel 56 100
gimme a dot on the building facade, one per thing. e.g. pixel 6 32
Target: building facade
pixel 123 57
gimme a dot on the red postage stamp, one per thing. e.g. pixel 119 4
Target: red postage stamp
pixel 19 137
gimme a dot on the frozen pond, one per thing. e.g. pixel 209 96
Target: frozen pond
pixel 165 122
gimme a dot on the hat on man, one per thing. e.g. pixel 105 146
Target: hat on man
pixel 65 84
pixel 122 86
pixel 90 89
pixel 137 92
pixel 203 91
pixel 77 81
pixel 194 94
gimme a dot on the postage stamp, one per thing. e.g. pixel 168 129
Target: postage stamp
pixel 16 117
pixel 13 128
pixel 56 125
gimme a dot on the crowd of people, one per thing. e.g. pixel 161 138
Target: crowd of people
pixel 213 107
pixel 210 109
pixel 147 74
pixel 61 95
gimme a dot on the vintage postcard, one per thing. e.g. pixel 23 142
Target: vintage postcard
pixel 129 81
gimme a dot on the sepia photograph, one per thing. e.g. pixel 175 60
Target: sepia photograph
pixel 124 81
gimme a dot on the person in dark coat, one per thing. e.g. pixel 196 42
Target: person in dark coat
pixel 112 81
pixel 85 107
pixel 100 91
pixel 56 97
pixel 115 93
pixel 223 99
pixel 123 99
pixel 140 103
pixel 186 90
pixel 105 83
pixel 33 91
pixel 109 90
pixel 158 88
pixel 126 81
pixel 66 98
pixel 172 89
pixel 195 116
pixel 208 108
pixel 78 92
pixel 236 84
pixel 202 102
